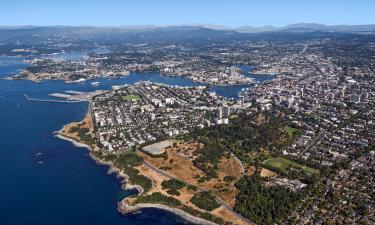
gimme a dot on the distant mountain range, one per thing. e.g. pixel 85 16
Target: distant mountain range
pixel 309 27
pixel 179 33
pixel 298 27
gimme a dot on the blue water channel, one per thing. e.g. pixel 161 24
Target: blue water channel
pixel 46 180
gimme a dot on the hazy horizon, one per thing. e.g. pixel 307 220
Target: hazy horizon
pixel 183 25
pixel 166 13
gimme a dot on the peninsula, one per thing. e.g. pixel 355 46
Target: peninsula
pixel 214 160
pixel 139 132
pixel 294 149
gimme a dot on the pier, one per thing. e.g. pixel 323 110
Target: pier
pixel 49 100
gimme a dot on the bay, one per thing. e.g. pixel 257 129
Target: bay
pixel 46 180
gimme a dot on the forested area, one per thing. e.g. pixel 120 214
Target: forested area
pixel 127 161
pixel 264 205
pixel 243 136
pixel 83 134
pixel 208 159
pixel 173 186
pixel 158 198
pixel 205 200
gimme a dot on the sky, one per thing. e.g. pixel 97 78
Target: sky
pixel 231 13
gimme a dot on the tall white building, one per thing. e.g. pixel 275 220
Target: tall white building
pixel 219 113
pixel 226 110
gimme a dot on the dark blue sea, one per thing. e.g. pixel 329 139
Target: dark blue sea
pixel 46 180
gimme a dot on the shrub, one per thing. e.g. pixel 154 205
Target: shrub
pixel 205 200
pixel 159 198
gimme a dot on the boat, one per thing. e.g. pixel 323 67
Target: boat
pixel 79 80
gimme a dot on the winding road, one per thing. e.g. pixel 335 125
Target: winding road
pixel 222 202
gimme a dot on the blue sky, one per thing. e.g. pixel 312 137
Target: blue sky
pixel 175 12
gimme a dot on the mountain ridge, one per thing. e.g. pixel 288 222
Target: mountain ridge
pixel 297 27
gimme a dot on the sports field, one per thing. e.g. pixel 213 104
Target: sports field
pixel 283 164
pixel 130 97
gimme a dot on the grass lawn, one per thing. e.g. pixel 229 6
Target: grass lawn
pixel 284 164
pixel 290 130
pixel 131 97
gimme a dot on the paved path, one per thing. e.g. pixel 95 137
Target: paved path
pixel 222 202
pixel 240 163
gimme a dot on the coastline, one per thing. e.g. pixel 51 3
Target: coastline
pixel 122 206
pixel 111 168
pixel 74 142
pixel 33 78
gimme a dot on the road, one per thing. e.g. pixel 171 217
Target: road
pixel 222 202
pixel 240 163
pixel 332 132
pixel 165 174
pixel 311 144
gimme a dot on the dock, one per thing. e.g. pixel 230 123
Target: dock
pixel 50 100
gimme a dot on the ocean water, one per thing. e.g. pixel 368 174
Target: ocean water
pixel 75 55
pixel 46 180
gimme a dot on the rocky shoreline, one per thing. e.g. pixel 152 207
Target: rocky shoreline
pixel 122 206
pixel 74 142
